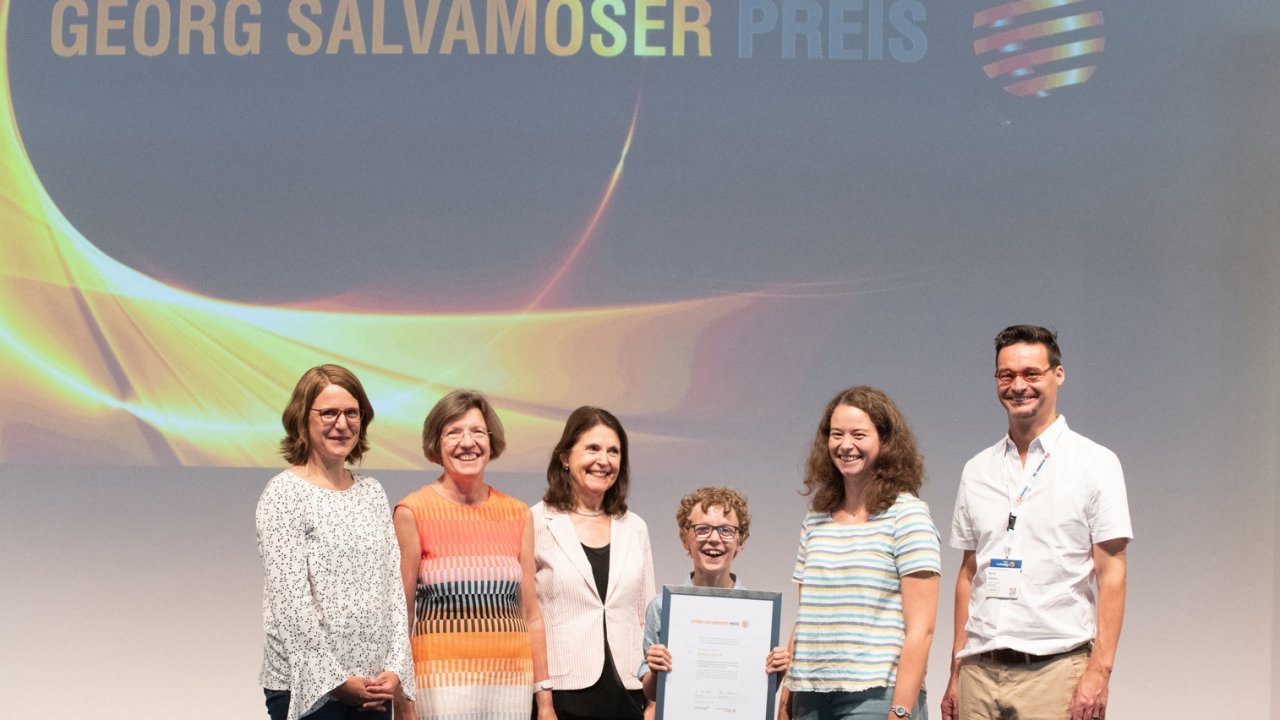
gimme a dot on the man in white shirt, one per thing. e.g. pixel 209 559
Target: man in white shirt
pixel 1042 517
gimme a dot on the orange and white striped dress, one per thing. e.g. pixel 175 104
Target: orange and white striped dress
pixel 471 650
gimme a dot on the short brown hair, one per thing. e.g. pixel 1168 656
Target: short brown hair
pixel 450 408
pixel 296 445
pixel 898 469
pixel 559 493
pixel 705 498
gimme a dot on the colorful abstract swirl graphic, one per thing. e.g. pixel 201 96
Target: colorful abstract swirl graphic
pixel 105 365
pixel 1037 46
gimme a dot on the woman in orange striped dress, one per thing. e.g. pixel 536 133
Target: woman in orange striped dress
pixel 466 557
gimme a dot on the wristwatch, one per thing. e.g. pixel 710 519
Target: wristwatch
pixel 542 685
pixel 899 711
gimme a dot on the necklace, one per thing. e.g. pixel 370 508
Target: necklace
pixel 588 513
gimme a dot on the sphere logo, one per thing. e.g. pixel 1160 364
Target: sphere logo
pixel 1034 47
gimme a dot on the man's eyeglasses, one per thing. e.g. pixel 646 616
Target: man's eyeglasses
pixel 727 532
pixel 1030 375
pixel 330 416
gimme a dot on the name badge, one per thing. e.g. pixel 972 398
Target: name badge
pixel 1004 579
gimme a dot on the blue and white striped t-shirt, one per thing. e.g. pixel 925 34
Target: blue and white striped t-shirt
pixel 849 628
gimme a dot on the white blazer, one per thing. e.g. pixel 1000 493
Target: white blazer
pixel 571 607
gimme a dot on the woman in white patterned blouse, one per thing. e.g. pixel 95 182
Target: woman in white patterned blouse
pixel 333 608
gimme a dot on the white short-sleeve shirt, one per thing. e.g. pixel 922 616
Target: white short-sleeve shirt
pixel 1076 500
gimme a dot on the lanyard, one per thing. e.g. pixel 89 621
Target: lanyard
pixel 1016 505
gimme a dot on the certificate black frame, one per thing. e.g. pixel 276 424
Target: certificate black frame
pixel 672 594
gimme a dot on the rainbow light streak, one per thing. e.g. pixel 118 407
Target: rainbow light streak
pixel 595 216
pixel 1022 64
pixel 1021 35
pixel 1002 14
pixel 105 365
pixel 1045 83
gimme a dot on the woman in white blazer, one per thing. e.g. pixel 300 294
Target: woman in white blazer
pixel 594 572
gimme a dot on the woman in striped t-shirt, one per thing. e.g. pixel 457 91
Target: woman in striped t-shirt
pixel 868 568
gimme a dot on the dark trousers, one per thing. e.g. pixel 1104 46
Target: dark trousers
pixel 278 709
pixel 630 705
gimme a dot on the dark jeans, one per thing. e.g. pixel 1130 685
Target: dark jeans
pixel 278 709
pixel 870 704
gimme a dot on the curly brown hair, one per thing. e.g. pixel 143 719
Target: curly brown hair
pixel 705 498
pixel 899 467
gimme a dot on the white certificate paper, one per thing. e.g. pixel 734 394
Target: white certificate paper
pixel 719 640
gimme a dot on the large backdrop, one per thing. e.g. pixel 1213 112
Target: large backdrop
pixel 705 215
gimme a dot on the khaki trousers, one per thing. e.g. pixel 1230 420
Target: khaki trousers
pixel 991 690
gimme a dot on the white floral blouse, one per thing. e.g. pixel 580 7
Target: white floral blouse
pixel 332 604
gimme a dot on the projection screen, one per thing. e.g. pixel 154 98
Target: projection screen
pixel 707 216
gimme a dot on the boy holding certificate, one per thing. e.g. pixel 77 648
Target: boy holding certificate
pixel 714 524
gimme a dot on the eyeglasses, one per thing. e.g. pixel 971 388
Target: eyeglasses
pixel 727 532
pixel 330 415
pixel 1030 375
pixel 455 435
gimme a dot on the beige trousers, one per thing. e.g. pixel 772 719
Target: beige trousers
pixel 1038 691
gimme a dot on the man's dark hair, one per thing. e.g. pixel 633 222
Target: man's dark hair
pixel 1032 335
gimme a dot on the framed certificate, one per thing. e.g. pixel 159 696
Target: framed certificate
pixel 719 640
